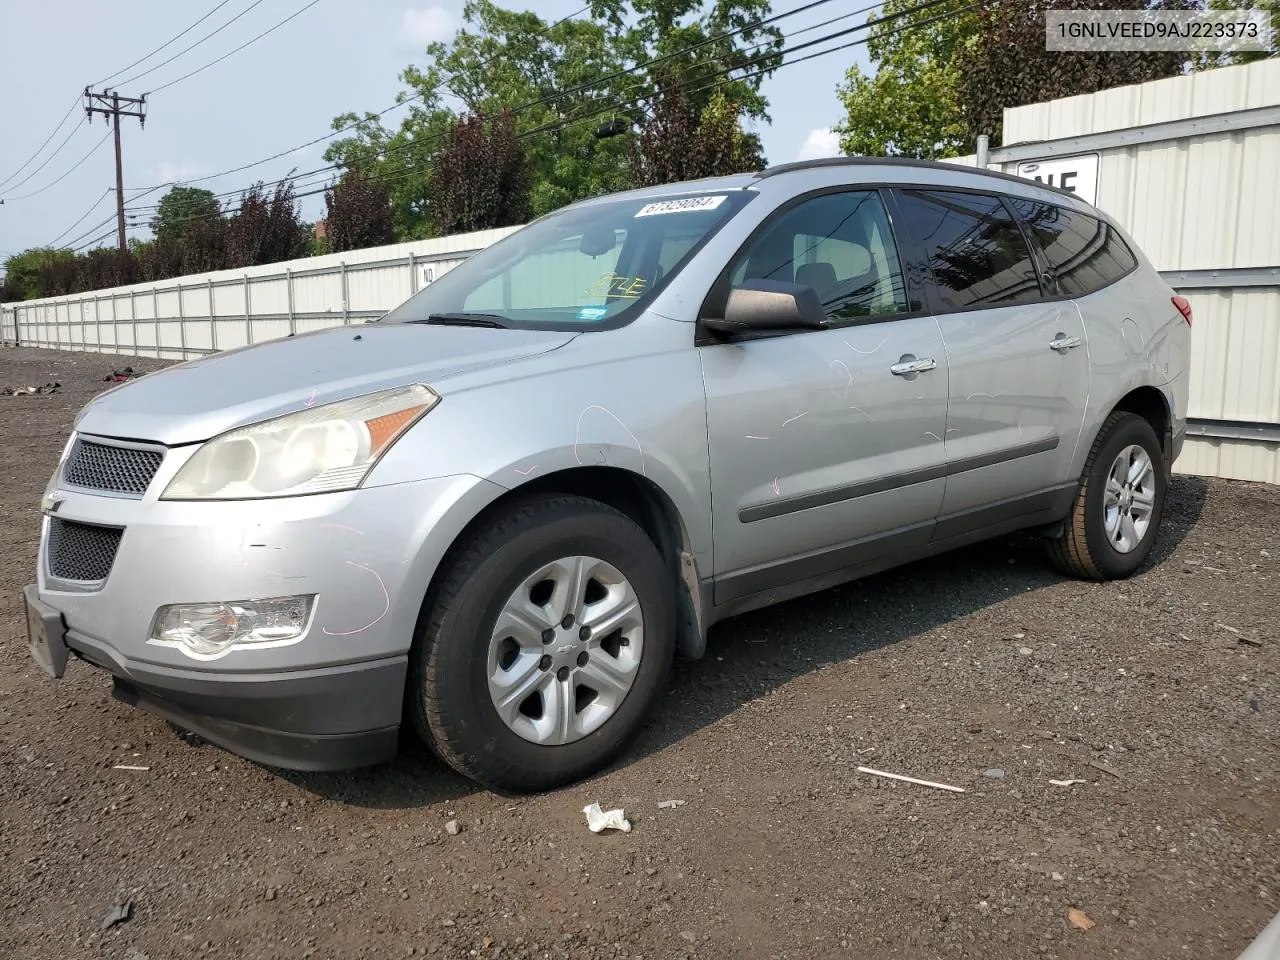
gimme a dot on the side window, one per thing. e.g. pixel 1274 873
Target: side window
pixel 839 244
pixel 975 249
pixel 1084 253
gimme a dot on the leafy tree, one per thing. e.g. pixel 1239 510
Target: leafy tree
pixel 677 143
pixel 158 259
pixel 1207 61
pixel 57 276
pixel 180 207
pixel 1008 65
pixel 946 73
pixel 203 246
pixel 264 229
pixel 910 104
pixel 481 177
pixel 27 273
pixel 562 78
pixel 358 214
pixel 104 267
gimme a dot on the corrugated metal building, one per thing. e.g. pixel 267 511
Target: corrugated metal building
pixel 1191 167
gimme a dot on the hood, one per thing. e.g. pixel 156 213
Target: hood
pixel 194 401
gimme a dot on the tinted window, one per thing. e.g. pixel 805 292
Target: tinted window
pixel 977 253
pixel 1084 253
pixel 839 244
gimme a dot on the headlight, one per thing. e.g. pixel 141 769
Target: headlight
pixel 320 450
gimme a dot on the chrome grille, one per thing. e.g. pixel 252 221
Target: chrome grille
pixel 99 466
pixel 80 551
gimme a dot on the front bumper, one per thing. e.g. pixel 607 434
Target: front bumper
pixel 331 718
pixel 332 698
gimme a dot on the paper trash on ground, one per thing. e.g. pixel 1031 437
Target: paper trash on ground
pixel 598 819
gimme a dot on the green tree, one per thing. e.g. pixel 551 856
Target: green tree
pixel 27 272
pixel 1007 65
pixel 564 76
pixel 1208 61
pixel 910 105
pixel 180 207
pixel 946 73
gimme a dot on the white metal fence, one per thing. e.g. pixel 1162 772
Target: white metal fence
pixel 1189 166
pixel 204 313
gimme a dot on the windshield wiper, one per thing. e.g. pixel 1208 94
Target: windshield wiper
pixel 466 320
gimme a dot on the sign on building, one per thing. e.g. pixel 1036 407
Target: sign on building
pixel 1078 175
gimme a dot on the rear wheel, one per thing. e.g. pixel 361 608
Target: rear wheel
pixel 544 646
pixel 1116 514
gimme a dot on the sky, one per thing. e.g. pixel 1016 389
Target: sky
pixel 277 93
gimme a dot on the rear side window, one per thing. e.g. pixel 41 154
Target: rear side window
pixel 975 248
pixel 839 244
pixel 1084 253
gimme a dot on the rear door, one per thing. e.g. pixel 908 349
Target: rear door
pixel 822 457
pixel 1017 359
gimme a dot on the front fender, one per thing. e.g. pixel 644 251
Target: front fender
pixel 643 414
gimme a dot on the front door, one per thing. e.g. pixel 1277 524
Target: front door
pixel 1018 362
pixel 826 446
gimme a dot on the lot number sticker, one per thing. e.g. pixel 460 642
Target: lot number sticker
pixel 680 206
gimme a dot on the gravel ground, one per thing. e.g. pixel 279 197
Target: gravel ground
pixel 982 669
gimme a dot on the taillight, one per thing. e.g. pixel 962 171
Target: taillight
pixel 1184 308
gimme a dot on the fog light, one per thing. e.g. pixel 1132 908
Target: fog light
pixel 205 630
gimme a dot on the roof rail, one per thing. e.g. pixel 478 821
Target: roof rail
pixel 902 162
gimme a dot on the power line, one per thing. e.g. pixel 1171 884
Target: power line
pixel 528 105
pixel 177 36
pixel 56 151
pixel 237 49
pixel 76 102
pixel 54 183
pixel 95 240
pixel 614 105
pixel 192 46
pixel 102 196
pixel 70 110
pixel 352 126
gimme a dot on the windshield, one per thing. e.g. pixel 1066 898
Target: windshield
pixel 591 267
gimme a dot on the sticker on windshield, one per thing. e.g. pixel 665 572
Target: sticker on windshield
pixel 681 206
pixel 592 313
pixel 613 285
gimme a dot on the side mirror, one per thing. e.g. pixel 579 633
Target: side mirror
pixel 769 305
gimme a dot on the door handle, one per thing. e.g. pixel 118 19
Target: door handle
pixel 909 366
pixel 1062 343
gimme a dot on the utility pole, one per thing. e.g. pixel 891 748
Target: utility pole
pixel 110 104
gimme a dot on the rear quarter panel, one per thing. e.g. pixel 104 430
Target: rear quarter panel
pixel 1137 338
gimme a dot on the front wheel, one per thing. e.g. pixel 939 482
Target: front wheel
pixel 544 645
pixel 1116 513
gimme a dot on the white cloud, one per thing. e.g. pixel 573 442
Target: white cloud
pixel 822 142
pixel 421 27
pixel 169 172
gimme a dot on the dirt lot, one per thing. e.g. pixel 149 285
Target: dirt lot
pixel 1162 694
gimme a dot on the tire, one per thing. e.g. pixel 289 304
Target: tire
pixel 1085 548
pixel 453 655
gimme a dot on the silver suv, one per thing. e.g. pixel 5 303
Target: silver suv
pixel 497 513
